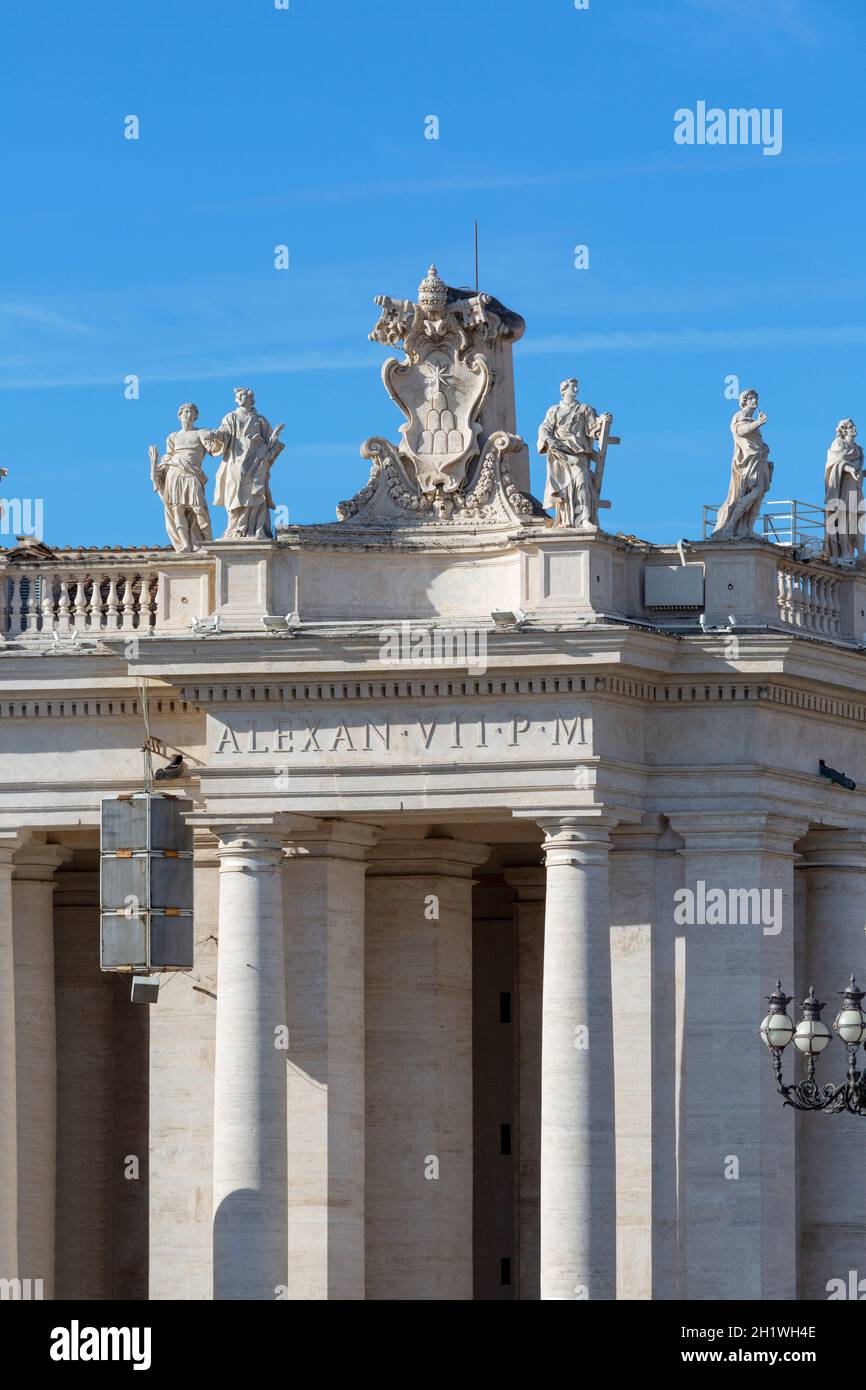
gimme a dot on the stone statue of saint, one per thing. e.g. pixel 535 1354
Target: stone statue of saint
pixel 843 493
pixel 249 447
pixel 567 436
pixel 180 481
pixel 751 472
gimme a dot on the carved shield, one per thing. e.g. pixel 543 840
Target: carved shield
pixel 441 393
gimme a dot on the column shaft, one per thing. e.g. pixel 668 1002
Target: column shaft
pixel 87 1163
pixel 324 914
pixel 740 1157
pixel 36 1059
pixel 8 1102
pixel 419 1069
pixel 634 943
pixel 249 1153
pixel 832 1205
pixel 578 1179
pixel 529 911
pixel 182 1042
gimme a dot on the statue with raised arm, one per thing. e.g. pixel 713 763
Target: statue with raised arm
pixel 843 493
pixel 751 472
pixel 179 480
pixel 249 447
pixel 567 436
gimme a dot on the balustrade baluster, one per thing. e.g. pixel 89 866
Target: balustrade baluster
pixel 47 605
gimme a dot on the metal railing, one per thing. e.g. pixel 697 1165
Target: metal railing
pixel 786 522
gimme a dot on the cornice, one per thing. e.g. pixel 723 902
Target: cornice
pixel 193 696
pixel 87 706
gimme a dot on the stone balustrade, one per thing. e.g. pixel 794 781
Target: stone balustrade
pixel 85 593
pixel 547 576
pixel 809 599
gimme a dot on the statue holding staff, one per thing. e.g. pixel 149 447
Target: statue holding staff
pixel 567 436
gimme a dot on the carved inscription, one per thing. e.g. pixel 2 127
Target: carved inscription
pixel 460 736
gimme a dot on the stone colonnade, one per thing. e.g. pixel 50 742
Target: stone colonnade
pixel 333 1032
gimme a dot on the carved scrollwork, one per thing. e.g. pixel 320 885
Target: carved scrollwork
pixel 494 450
pixel 355 504
pixel 517 500
pixel 393 474
pixel 494 475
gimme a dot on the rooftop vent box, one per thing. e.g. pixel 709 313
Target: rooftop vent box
pixel 145 884
pixel 674 586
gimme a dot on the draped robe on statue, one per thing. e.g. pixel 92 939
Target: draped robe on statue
pixel 243 480
pixel 751 474
pixel 181 481
pixel 566 436
pixel 843 493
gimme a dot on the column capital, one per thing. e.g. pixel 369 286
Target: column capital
pixel 576 837
pixel 205 844
pixel 639 839
pixel 739 832
pixel 10 842
pixel 250 830
pixel 36 862
pixel 409 858
pixel 334 839
pixel 832 847
pixel 602 814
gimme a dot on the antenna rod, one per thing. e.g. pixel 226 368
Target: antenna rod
pixel 476 257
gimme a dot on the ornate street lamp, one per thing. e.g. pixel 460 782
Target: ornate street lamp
pixel 810 1037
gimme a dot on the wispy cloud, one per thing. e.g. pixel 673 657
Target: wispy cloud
pixel 320 361
pixel 790 17
pixel 426 187
pixel 620 340
pixel 43 317
pixel 696 339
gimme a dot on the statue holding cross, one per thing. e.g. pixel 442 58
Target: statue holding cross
pixel 575 467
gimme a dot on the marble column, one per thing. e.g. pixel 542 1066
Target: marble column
pixel 578 1177
pixel 323 882
pixel 182 1042
pixel 635 946
pixel 87 1163
pixel 419 1069
pixel 528 885
pixel 36 1057
pixel 9 842
pixel 249 1145
pixel 739 1173
pixel 832 1203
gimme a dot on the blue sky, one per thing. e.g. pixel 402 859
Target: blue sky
pixel 305 127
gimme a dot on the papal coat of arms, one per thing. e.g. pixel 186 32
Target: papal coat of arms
pixel 453 453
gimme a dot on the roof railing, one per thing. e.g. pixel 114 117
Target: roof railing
pixel 787 522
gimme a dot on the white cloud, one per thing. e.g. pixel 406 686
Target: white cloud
pixel 694 339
